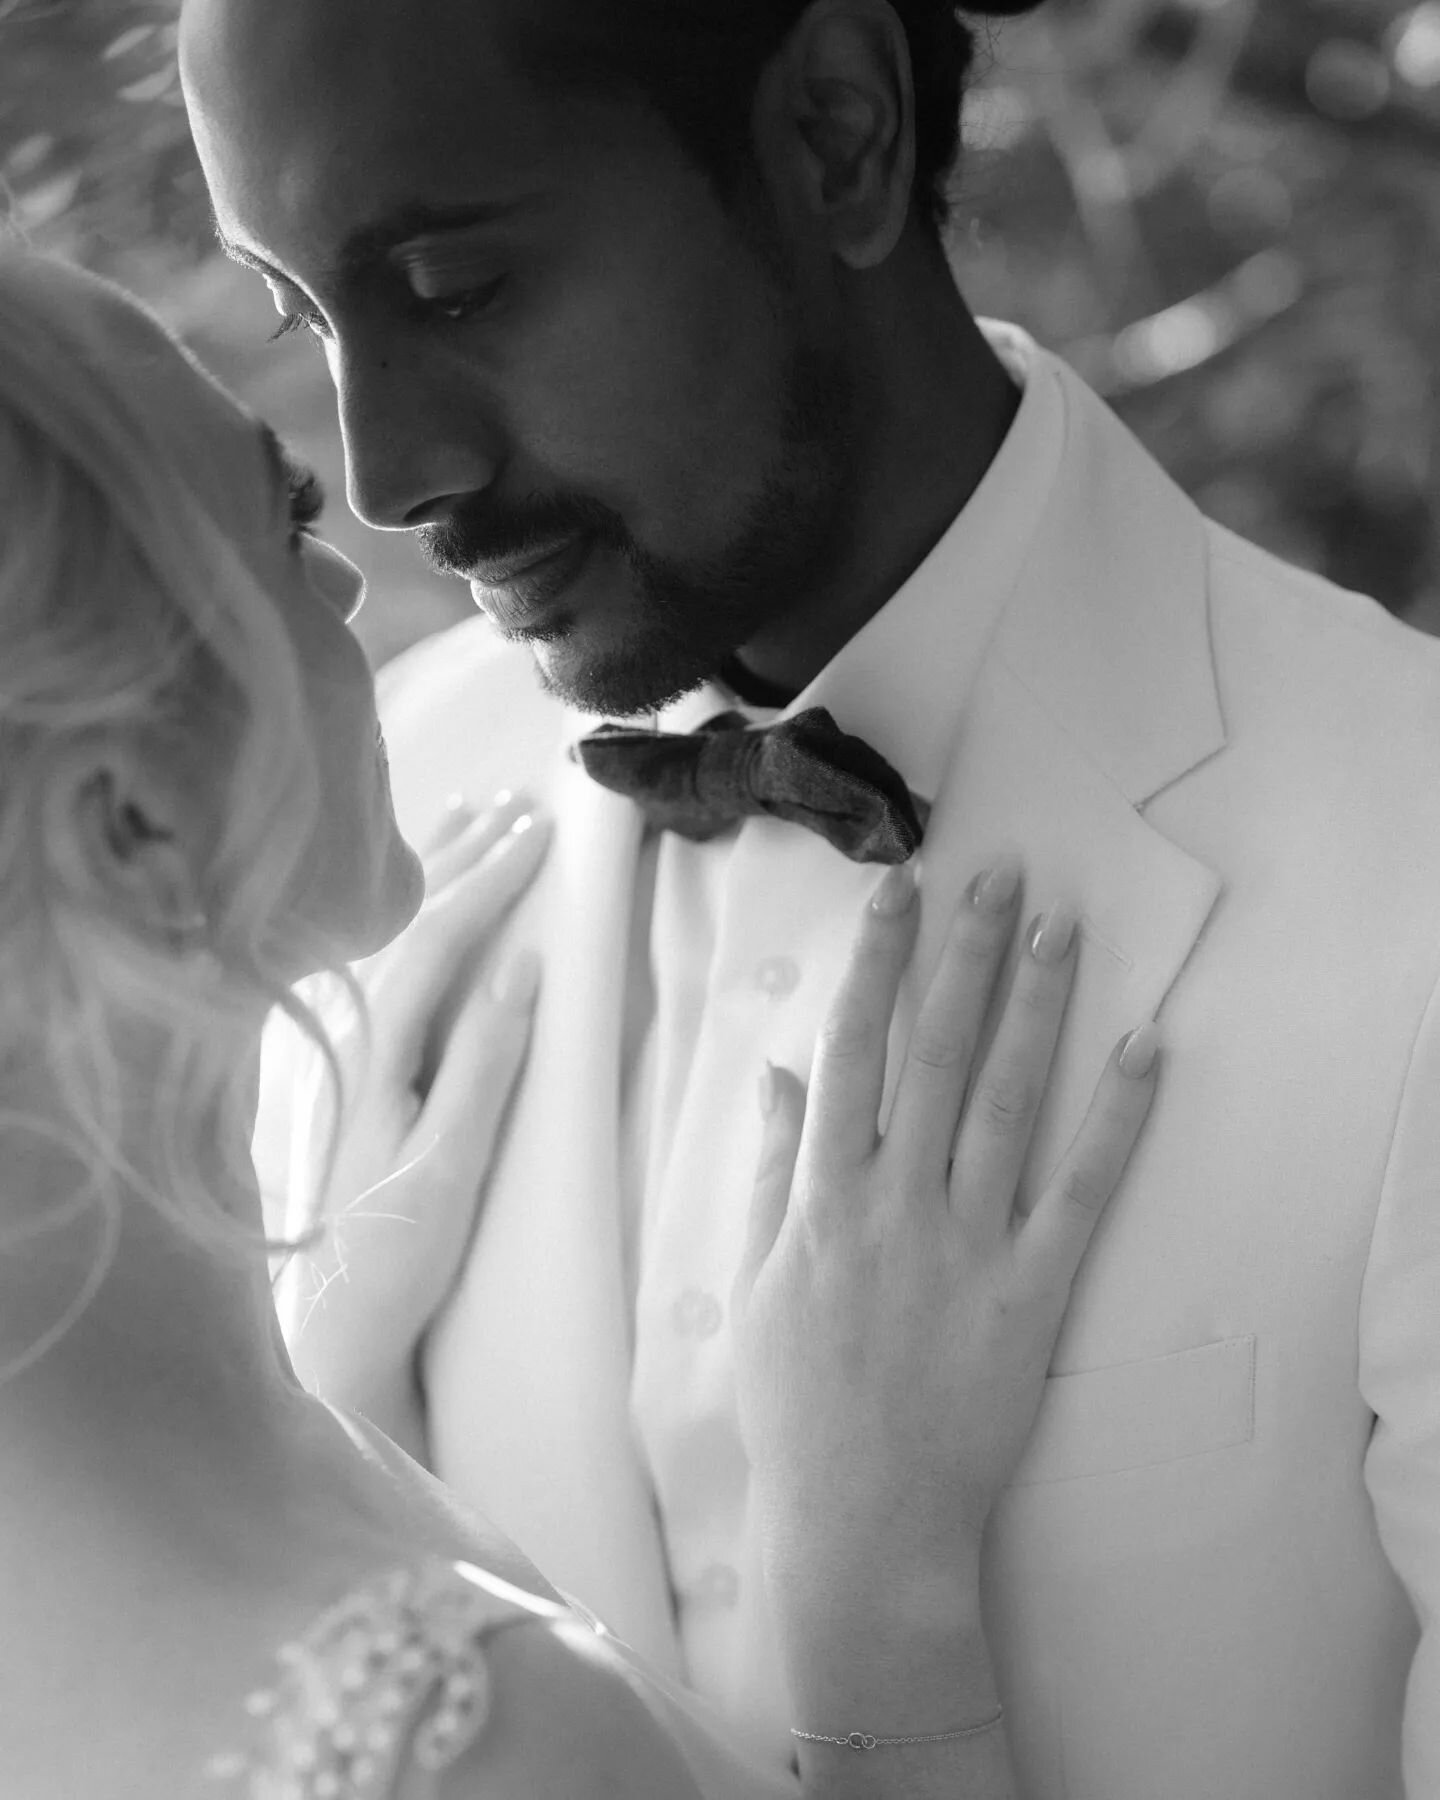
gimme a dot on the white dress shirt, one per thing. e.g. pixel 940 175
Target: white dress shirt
pixel 743 940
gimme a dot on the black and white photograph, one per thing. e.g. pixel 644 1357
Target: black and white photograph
pixel 719 900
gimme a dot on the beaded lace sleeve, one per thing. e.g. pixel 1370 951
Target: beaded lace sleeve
pixel 392 1677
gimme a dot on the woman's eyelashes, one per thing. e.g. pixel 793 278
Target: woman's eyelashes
pixel 307 500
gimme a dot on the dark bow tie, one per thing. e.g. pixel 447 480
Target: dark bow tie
pixel 803 769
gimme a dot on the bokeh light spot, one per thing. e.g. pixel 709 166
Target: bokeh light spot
pixel 1415 49
pixel 1347 80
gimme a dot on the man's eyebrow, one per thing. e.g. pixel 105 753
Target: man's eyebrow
pixel 247 258
pixel 371 243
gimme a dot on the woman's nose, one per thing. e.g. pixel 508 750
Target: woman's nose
pixel 334 578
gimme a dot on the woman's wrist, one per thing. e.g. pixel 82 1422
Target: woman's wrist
pixel 894 1582
pixel 908 1610
pixel 890 1656
pixel 891 1684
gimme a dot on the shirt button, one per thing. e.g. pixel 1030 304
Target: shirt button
pixel 777 976
pixel 718 1585
pixel 696 1314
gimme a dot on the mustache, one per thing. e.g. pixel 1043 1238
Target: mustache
pixel 482 532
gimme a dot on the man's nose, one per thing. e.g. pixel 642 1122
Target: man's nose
pixel 413 448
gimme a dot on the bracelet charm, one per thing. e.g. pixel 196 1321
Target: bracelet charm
pixel 867 1740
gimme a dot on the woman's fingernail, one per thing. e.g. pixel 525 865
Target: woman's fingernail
pixel 518 979
pixel 1138 1050
pixel 456 802
pixel 1051 934
pixel 994 889
pixel 895 892
pixel 767 1091
pixel 524 823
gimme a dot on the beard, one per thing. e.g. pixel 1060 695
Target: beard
pixel 684 618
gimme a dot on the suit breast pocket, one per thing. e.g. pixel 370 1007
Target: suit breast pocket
pixel 1138 1414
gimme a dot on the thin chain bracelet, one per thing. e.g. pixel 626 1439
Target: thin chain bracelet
pixel 865 1740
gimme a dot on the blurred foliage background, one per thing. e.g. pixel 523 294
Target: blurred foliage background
pixel 1224 212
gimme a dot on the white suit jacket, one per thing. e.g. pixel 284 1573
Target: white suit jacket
pixel 1218 1567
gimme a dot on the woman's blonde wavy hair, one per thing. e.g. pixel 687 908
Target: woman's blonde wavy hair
pixel 126 609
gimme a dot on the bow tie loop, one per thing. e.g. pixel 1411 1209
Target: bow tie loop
pixel 805 770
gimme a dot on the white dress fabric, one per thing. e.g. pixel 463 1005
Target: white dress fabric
pixel 388 1687
pixel 390 1679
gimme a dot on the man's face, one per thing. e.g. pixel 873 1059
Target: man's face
pixel 556 354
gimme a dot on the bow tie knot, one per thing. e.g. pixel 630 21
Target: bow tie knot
pixel 805 770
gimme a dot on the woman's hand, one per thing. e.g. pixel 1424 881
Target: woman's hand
pixel 894 1315
pixel 426 1084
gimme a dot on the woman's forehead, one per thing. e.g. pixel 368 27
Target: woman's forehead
pixel 185 411
pixel 113 371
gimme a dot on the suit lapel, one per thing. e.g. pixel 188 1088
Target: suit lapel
pixel 1017 784
pixel 1109 625
pixel 529 1370
pixel 1097 691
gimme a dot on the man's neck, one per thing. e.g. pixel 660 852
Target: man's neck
pixel 938 407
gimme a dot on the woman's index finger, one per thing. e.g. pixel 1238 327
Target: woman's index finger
pixel 848 1078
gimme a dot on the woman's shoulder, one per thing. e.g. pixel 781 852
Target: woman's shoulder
pixel 392 1675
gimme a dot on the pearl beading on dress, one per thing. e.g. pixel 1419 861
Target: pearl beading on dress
pixel 402 1658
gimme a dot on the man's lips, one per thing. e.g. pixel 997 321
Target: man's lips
pixel 516 595
pixel 501 571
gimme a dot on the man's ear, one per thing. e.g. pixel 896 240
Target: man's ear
pixel 133 859
pixel 836 112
